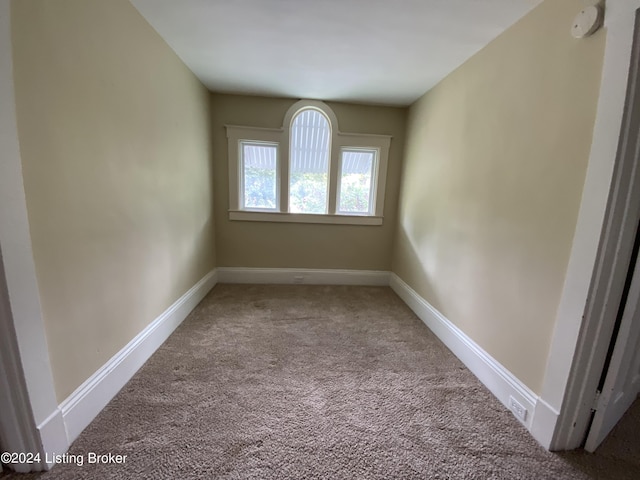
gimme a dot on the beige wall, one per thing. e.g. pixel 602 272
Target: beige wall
pixel 279 245
pixel 115 140
pixel 494 167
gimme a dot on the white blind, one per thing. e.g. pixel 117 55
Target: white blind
pixel 310 133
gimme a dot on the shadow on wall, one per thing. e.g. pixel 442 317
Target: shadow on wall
pixel 407 248
pixel 186 265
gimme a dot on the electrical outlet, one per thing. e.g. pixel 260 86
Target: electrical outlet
pixel 518 409
pixel 298 278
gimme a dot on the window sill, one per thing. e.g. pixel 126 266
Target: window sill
pixel 304 218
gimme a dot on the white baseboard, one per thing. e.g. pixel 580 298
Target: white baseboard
pixel 83 405
pixel 303 276
pixel 53 435
pixel 502 383
pixel 544 424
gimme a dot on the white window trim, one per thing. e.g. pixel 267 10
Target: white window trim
pixel 259 216
pixel 374 180
pixel 235 136
pixel 241 199
pixel 339 141
pixel 292 113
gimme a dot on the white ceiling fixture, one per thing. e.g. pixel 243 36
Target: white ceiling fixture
pixel 385 52
pixel 587 22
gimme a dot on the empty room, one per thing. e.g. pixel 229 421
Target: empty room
pixel 334 239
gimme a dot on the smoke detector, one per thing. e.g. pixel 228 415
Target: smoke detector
pixel 587 22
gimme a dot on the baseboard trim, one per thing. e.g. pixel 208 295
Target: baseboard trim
pixel 544 424
pixel 84 404
pixel 53 436
pixel 303 276
pixel 500 381
pixel 77 411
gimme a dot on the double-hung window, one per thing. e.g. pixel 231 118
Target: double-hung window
pixel 357 181
pixel 259 176
pixel 307 171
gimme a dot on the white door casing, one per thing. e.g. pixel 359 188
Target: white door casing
pixel 622 383
pixel 25 355
pixel 17 429
pixel 601 250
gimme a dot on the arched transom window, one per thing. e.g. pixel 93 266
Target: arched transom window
pixel 309 154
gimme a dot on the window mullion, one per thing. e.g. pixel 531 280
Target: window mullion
pixel 235 166
pixel 283 181
pixel 334 170
pixel 373 194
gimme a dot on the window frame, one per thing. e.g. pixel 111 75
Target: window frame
pixel 241 171
pixel 340 141
pixel 374 180
pixel 330 153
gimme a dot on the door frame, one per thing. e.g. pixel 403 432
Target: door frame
pixel 597 271
pixel 35 423
pixel 18 431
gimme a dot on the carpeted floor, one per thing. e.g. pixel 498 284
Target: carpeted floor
pixel 315 382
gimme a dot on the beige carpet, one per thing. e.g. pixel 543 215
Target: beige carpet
pixel 313 382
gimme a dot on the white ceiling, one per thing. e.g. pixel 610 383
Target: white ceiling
pixel 366 51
